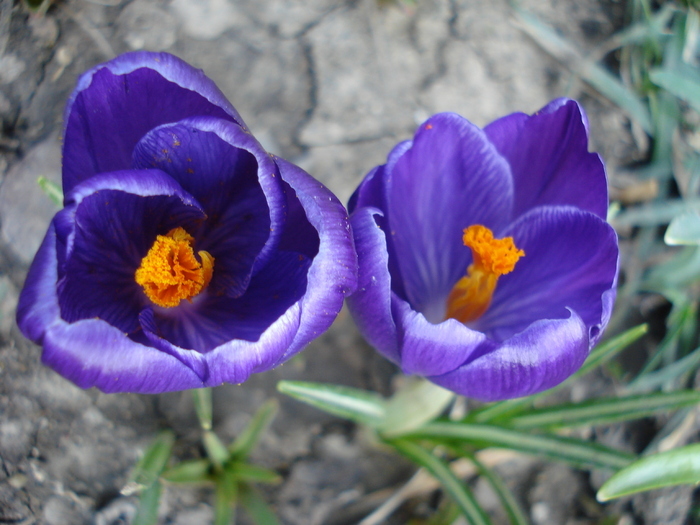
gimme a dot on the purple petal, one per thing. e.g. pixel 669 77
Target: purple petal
pixel 429 349
pixel 91 352
pixel 333 272
pixel 370 305
pixel 450 178
pixel 118 102
pixel 212 320
pixel 541 357
pixel 229 173
pixel 571 260
pixel 112 231
pixel 549 158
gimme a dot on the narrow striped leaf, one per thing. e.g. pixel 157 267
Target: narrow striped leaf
pixel 515 513
pixel 256 507
pixel 246 440
pixel 147 513
pixel 151 464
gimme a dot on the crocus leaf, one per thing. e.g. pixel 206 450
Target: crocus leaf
pixel 673 467
pixel 217 452
pixel 350 403
pixel 416 404
pixel 680 85
pixel 515 513
pixel 576 452
pixel 599 411
pixel 151 464
pixel 252 473
pixel 256 507
pixel 225 498
pixel 147 514
pixel 249 437
pixel 684 229
pixel 194 471
pixel 658 378
pixel 52 190
pixel 604 352
pixel 203 406
pixel 456 488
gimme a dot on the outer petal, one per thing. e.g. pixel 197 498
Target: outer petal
pixel 570 262
pixel 370 305
pixel 235 181
pixel 549 158
pixel 539 358
pixel 118 102
pixel 91 352
pixel 450 178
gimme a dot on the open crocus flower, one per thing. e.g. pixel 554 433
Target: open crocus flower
pixel 186 256
pixel 485 262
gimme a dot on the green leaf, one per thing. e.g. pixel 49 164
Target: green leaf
pixel 515 513
pixel 573 451
pixel 246 440
pixel 684 230
pixel 253 473
pixel 350 403
pixel 599 411
pixel 151 464
pixel 225 499
pixel 412 406
pixel 457 489
pixel 668 374
pixel 674 467
pixel 256 507
pixel 147 514
pixel 203 406
pixel 216 451
pixel 193 471
pixel 52 190
pixel 604 352
pixel 657 213
pixel 678 84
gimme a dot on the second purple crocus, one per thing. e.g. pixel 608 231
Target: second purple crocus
pixel 485 262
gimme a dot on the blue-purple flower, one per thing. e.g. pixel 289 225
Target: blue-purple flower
pixel 186 255
pixel 485 262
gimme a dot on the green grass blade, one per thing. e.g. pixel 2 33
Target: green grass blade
pixel 256 507
pixel 604 352
pixel 201 398
pixel 246 440
pixel 225 499
pixel 575 452
pixel 151 464
pixel 193 471
pixel 350 403
pixel 674 467
pixel 147 514
pixel 678 84
pixel 52 190
pixel 515 513
pixel 458 490
pixel 252 473
pixel 668 374
pixel 215 449
pixel 599 411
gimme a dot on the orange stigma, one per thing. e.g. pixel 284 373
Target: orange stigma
pixel 472 294
pixel 170 272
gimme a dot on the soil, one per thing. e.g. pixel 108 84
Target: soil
pixel 330 85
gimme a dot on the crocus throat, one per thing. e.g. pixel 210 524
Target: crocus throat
pixel 472 294
pixel 170 272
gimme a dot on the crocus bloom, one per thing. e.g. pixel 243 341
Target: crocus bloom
pixel 485 262
pixel 186 256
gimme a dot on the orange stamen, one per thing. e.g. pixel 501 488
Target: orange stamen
pixel 472 294
pixel 170 272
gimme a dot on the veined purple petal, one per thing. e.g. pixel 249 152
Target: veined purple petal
pixel 91 352
pixel 571 259
pixel 229 178
pixel 333 272
pixel 450 178
pixel 112 231
pixel 429 349
pixel 540 357
pixel 117 103
pixel 370 305
pixel 549 158
pixel 211 319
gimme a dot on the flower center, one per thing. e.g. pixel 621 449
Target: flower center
pixel 170 272
pixel 472 294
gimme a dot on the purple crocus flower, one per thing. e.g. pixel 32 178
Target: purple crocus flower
pixel 186 255
pixel 485 262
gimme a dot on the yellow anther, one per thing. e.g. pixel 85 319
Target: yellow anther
pixel 472 294
pixel 170 272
